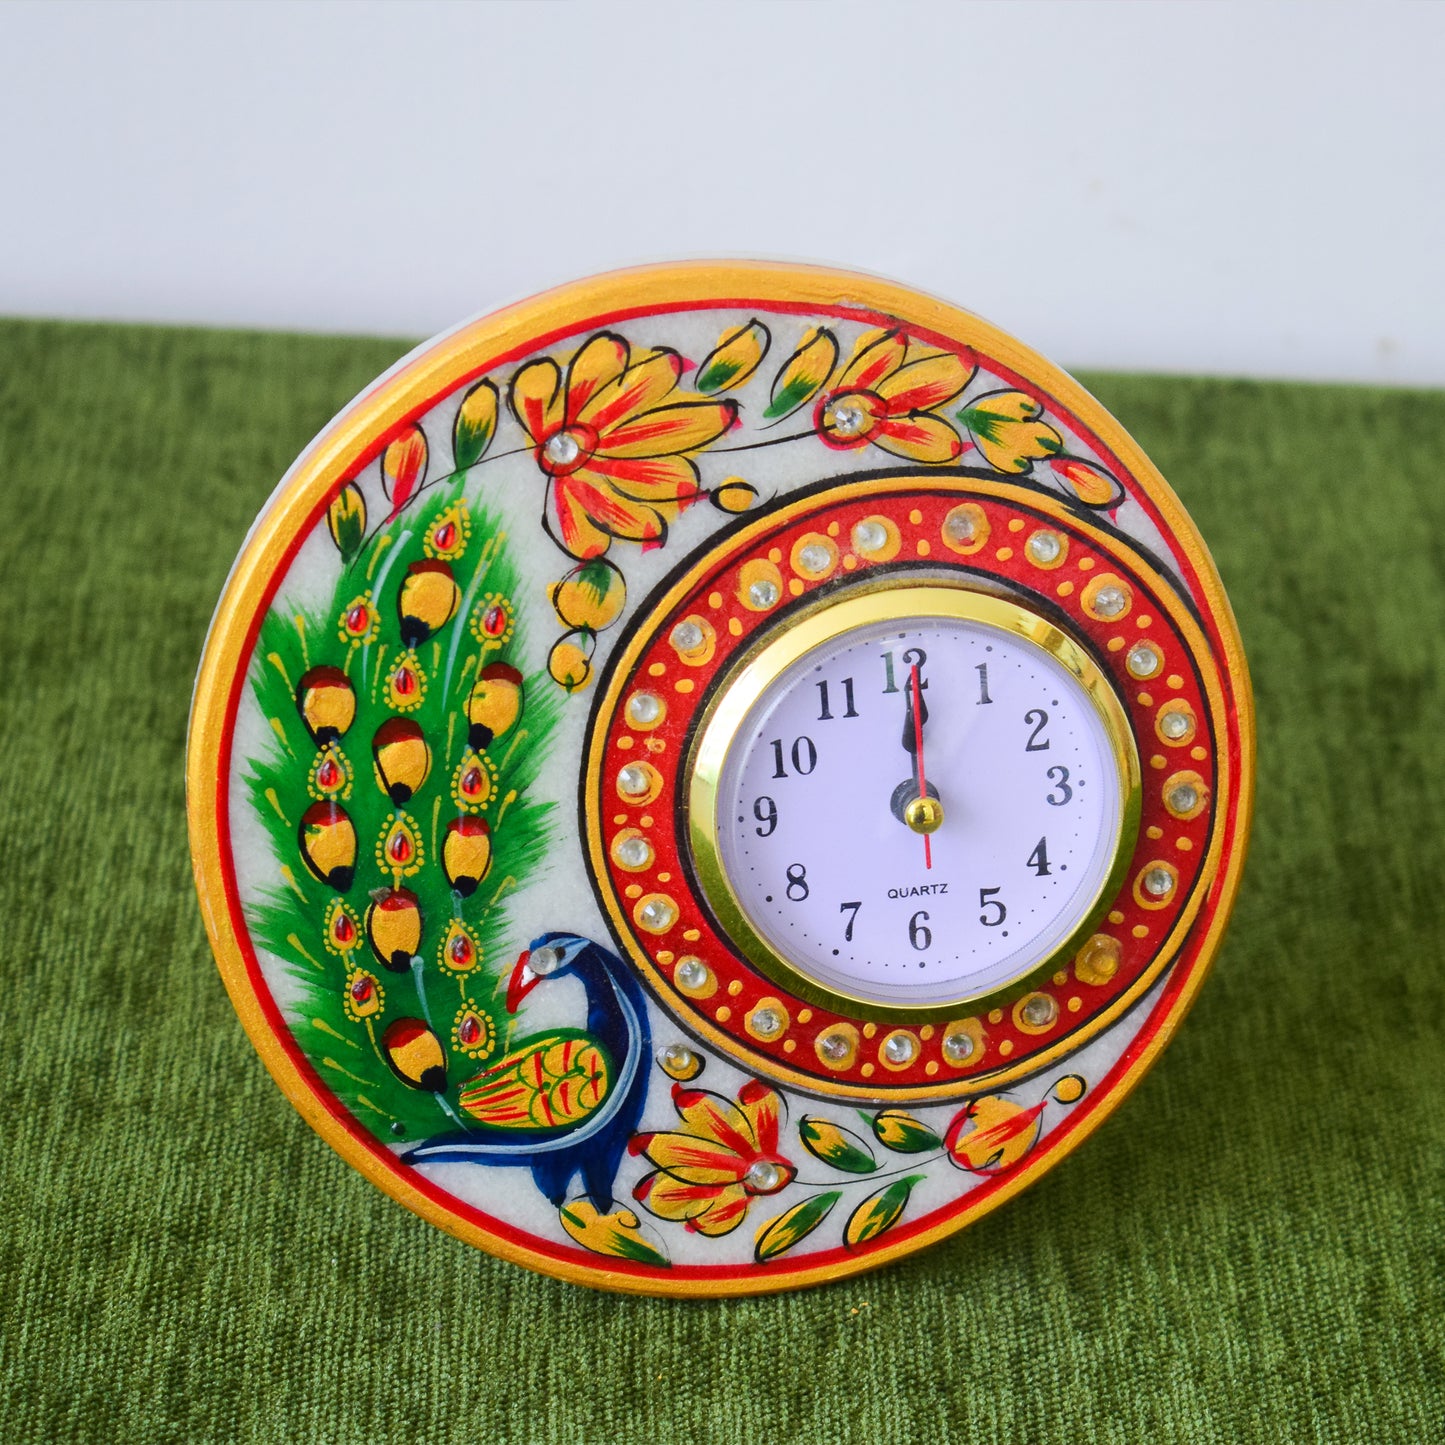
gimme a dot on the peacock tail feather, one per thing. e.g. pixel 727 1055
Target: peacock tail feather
pixel 405 739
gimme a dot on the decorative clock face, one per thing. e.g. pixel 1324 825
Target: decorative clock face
pixel 711 779
pixel 821 845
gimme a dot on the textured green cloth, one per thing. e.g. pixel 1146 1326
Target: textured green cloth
pixel 1251 1248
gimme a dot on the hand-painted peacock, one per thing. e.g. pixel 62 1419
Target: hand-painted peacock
pixel 395 794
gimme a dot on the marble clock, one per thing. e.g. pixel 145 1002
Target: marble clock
pixel 710 779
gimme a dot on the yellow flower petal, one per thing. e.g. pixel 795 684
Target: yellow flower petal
pixel 926 383
pixel 723 1215
pixel 695 1160
pixel 589 511
pixel 536 397
pixel 658 481
pixel 669 430
pixel 601 361
pixel 640 388
pixel 713 1210
pixel 762 1108
pixel 920 438
pixel 670 1198
pixel 710 1116
pixel 878 354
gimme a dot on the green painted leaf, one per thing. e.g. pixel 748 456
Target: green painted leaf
pixel 779 1235
pixel 878 1212
pixel 475 425
pixel 898 1130
pixel 790 398
pixel 737 355
pixel 616 1235
pixel 838 1147
pixel 803 374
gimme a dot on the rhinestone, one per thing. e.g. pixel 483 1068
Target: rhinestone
pixel 543 961
pixel 1184 798
pixel 763 1176
pixel 1040 1011
pixel 688 637
pixel 634 853
pixel 899 1048
pixel 849 420
pixel 766 1021
pixel 960 527
pixel 870 536
pixel 561 449
pixel 633 780
pixel 958 1047
pixel 657 913
pixel 644 708
pixel 1110 601
pixel 692 973
pixel 833 1046
pixel 1159 882
pixel 1174 724
pixel 763 593
pixel 678 1060
pixel 814 557
pixel 1045 547
pixel 1143 661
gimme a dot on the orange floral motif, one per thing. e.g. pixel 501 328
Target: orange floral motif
pixel 710 1170
pixel 886 396
pixel 614 441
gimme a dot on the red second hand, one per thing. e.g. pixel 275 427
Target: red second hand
pixel 918 753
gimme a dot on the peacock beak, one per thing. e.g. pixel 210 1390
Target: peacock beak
pixel 521 983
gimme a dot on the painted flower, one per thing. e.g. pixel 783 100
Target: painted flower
pixel 614 442
pixel 992 1134
pixel 1006 427
pixel 886 396
pixel 725 1155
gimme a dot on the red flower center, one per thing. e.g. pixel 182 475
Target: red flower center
pixel 848 419
pixel 567 449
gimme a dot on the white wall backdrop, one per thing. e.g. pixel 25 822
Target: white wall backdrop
pixel 1219 187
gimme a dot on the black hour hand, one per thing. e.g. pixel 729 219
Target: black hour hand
pixel 910 732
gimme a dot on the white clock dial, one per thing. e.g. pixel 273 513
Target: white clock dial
pixel 813 794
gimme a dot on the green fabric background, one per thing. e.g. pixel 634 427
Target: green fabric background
pixel 1250 1249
